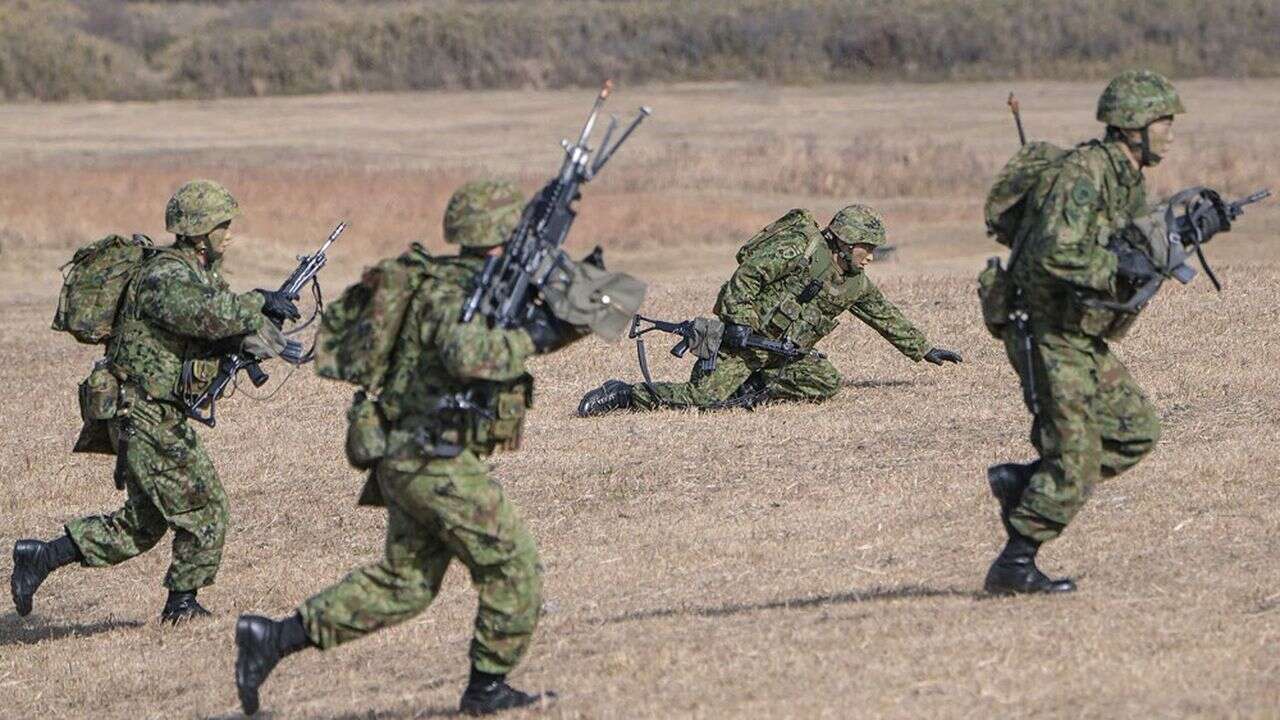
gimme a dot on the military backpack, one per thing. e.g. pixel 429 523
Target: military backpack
pixel 796 219
pixel 93 284
pixel 1007 199
pixel 356 344
pixel 1007 202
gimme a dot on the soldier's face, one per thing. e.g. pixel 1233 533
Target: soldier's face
pixel 220 239
pixel 1160 135
pixel 861 255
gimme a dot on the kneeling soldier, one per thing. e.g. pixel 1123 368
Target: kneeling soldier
pixel 793 280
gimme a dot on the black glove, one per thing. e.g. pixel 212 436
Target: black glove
pixel 1210 216
pixel 735 335
pixel 1133 264
pixel 292 352
pixel 279 306
pixel 546 330
pixel 937 356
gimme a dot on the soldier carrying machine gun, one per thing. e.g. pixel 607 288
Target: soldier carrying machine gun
pixel 534 271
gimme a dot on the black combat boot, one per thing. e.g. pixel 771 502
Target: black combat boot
pixel 261 643
pixel 612 395
pixel 487 694
pixel 33 560
pixel 749 395
pixel 1014 572
pixel 181 606
pixel 1008 482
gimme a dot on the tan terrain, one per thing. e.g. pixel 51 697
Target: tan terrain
pixel 798 561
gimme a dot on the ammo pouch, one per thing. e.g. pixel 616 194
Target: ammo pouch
pixel 502 425
pixel 488 417
pixel 99 396
pixel 366 432
pixel 803 324
pixel 995 295
pixel 196 377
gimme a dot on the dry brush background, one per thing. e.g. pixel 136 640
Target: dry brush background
pixel 151 49
pixel 799 561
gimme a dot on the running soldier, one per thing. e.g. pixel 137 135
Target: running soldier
pixel 175 318
pixel 454 394
pixel 1092 421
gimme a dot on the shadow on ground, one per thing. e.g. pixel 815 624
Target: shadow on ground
pixel 852 597
pixel 868 384
pixel 16 631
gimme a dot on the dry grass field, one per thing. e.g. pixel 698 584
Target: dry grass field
pixel 798 561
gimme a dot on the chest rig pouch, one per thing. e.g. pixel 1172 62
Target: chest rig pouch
pixel 802 314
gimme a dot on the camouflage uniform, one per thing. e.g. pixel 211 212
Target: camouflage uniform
pixel 175 313
pixel 788 285
pixel 441 502
pixel 1094 421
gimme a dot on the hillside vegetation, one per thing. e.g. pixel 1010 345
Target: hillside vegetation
pixel 122 49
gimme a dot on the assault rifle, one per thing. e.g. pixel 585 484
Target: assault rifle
pixel 508 283
pixel 705 337
pixel 230 364
pixel 1169 243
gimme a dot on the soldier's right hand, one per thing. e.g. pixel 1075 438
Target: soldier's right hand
pixel 547 332
pixel 736 336
pixel 1133 263
pixel 267 343
pixel 278 305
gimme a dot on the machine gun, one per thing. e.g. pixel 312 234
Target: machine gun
pixel 230 364
pixel 1168 239
pixel 704 336
pixel 532 257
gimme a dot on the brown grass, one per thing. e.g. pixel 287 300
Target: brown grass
pixel 801 561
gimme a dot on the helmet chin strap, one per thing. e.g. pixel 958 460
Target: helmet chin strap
pixel 1149 158
pixel 838 249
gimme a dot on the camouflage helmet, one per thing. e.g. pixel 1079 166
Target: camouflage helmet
pixel 482 213
pixel 198 207
pixel 857 225
pixel 1136 98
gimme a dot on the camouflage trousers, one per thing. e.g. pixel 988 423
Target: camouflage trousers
pixel 171 485
pixel 438 510
pixel 810 379
pixel 1094 423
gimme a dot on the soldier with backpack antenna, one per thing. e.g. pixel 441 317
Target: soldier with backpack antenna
pixel 165 316
pixel 1086 257
pixel 438 347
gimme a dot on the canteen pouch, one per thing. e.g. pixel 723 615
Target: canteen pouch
pixel 99 394
pixel 993 294
pixel 366 432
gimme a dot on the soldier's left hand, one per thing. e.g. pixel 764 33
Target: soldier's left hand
pixel 278 305
pixel 937 356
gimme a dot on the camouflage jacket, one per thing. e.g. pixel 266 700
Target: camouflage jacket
pixel 1063 257
pixel 789 286
pixel 437 358
pixel 175 311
